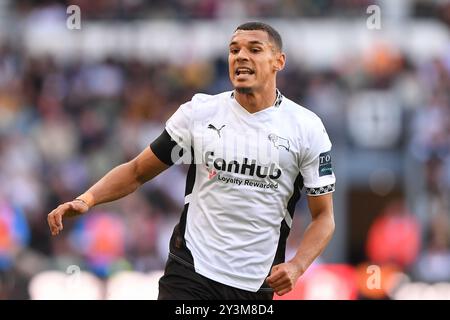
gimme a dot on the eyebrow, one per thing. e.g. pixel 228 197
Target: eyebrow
pixel 251 42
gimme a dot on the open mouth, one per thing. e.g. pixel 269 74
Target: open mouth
pixel 243 70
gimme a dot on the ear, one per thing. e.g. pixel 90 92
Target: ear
pixel 280 61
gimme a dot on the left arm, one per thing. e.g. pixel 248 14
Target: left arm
pixel 284 276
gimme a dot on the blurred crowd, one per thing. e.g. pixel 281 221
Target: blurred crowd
pixel 203 9
pixel 64 125
pixel 217 9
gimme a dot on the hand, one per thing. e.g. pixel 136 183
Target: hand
pixel 70 209
pixel 283 277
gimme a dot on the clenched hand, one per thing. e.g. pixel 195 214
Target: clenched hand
pixel 68 209
pixel 283 277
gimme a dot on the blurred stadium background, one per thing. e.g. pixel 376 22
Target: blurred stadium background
pixel 75 103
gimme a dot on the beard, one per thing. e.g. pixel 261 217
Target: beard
pixel 244 90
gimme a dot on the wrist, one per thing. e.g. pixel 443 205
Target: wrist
pixel 86 198
pixel 299 264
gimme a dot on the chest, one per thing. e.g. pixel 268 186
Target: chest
pixel 270 142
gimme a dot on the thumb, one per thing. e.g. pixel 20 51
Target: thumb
pixel 78 206
pixel 272 272
pixel 274 269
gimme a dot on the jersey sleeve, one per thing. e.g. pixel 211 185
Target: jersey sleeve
pixel 179 126
pixel 166 149
pixel 316 167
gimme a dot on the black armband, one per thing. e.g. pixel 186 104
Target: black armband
pixel 166 149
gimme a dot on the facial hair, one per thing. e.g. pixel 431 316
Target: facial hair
pixel 244 90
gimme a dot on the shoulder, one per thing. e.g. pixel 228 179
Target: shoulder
pixel 311 132
pixel 203 104
pixel 304 118
pixel 204 100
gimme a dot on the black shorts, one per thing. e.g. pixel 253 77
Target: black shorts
pixel 181 282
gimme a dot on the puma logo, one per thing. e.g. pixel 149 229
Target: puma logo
pixel 210 126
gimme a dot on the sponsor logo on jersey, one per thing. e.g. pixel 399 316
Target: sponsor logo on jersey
pixel 247 167
pixel 325 164
pixel 247 182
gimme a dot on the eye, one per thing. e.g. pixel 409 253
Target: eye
pixel 234 51
pixel 255 50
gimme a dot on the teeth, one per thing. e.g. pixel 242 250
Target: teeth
pixel 243 70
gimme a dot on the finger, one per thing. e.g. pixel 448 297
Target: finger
pixel 283 291
pixel 65 208
pixel 58 218
pixel 49 219
pixel 272 272
pixel 281 284
pixel 275 276
pixel 54 217
pixel 51 222
pixel 55 224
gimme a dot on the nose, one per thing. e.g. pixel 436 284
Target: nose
pixel 242 55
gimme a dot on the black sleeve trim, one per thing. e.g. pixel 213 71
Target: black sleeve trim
pixel 321 190
pixel 163 147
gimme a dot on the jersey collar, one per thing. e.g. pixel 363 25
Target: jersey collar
pixel 278 100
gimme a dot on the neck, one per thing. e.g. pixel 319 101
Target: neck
pixel 256 101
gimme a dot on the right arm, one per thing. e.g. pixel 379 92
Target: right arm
pixel 126 178
pixel 117 183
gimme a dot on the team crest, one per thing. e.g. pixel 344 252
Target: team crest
pixel 279 141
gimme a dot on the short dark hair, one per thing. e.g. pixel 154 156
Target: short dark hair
pixel 274 36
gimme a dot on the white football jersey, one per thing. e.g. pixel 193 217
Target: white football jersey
pixel 242 187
